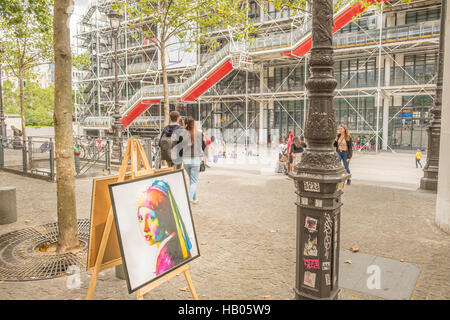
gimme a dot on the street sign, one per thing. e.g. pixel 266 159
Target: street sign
pixel 405 114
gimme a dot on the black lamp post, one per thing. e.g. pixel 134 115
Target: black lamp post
pixel 429 180
pixel 114 19
pixel 2 114
pixel 319 177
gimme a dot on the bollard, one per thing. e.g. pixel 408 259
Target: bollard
pixel 52 160
pixel 120 272
pixel 108 156
pixel 77 164
pixel 30 153
pixel 8 209
pixel 24 159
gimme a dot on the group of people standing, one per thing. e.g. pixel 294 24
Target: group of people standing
pixel 184 146
pixel 290 152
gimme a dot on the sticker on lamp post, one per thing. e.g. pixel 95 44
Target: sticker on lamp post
pixel 311 186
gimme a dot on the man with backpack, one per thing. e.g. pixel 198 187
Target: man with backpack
pixel 167 142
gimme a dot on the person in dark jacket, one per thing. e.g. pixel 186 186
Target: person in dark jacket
pixel 298 146
pixel 172 128
pixel 344 147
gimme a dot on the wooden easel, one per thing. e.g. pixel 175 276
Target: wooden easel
pixel 140 167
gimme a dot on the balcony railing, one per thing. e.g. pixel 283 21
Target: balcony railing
pixel 399 76
pixel 98 122
pixel 391 34
pixel 147 121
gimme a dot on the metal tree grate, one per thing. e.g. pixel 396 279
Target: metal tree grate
pixel 20 261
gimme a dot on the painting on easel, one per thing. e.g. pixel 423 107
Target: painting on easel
pixel 155 226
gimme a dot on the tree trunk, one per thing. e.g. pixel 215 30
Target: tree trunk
pixel 22 109
pixel 165 84
pixel 65 163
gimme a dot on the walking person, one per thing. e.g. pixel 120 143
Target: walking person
pixel 206 155
pixel 418 158
pixel 344 147
pixel 193 148
pixel 289 146
pixel 167 142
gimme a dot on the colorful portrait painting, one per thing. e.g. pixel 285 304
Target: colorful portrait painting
pixel 154 225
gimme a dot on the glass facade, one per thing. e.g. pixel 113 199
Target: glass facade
pixel 423 15
pixel 407 129
pixel 278 90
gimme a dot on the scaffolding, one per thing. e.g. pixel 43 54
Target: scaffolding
pixel 243 102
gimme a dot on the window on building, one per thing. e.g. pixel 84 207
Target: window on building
pixel 423 15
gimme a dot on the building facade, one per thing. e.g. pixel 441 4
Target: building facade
pixel 385 65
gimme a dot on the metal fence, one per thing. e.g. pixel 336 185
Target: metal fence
pixel 93 155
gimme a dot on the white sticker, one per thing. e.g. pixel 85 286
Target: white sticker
pixel 327 279
pixel 311 186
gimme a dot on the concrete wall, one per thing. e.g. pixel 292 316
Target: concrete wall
pixel 40 132
pixel 443 193
pixel 15 120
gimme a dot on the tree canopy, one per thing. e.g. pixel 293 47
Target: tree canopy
pixel 38 102
pixel 26 28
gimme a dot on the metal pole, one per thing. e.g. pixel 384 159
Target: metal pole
pixel 304 96
pixel 199 115
pixel 24 158
pixel 319 178
pixel 246 110
pixel 246 89
pixel 2 115
pixel 429 180
pixel 2 155
pixel 108 156
pixel 30 152
pixel 160 127
pixel 117 126
pixel 52 160
pixel 379 78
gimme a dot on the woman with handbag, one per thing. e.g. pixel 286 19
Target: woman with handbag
pixel 344 147
pixel 193 151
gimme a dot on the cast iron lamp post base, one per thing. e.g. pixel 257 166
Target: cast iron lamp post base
pixel 429 180
pixel 319 177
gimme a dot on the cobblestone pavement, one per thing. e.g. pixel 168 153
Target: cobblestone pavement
pixel 242 257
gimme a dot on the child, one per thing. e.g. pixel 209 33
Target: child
pixel 418 157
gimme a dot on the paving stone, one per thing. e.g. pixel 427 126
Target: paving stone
pixel 242 259
pixel 397 279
